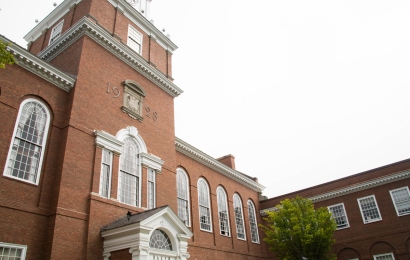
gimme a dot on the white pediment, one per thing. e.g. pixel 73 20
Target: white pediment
pixel 133 232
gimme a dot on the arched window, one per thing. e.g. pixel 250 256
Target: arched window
pixel 183 196
pixel 160 240
pixel 223 212
pixel 26 153
pixel 204 205
pixel 237 204
pixel 129 173
pixel 252 222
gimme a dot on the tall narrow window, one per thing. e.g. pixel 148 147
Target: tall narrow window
pixel 26 153
pixel 105 177
pixel 237 204
pixel 369 209
pixel 151 189
pixel 252 222
pixel 223 212
pixel 339 214
pixel 182 196
pixel 12 251
pixel 134 39
pixel 401 200
pixel 204 205
pixel 56 32
pixel 129 174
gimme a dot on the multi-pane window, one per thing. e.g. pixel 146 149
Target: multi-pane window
pixel 339 214
pixel 240 229
pixel 401 200
pixel 56 32
pixel 105 177
pixel 12 252
pixel 368 207
pixel 388 256
pixel 129 174
pixel 223 212
pixel 182 196
pixel 204 205
pixel 134 39
pixel 252 222
pixel 151 189
pixel 160 240
pixel 26 152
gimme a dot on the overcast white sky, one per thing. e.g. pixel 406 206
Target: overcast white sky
pixel 300 92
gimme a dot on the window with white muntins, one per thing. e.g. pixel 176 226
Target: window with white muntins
pixel 151 189
pixel 56 32
pixel 339 214
pixel 223 212
pixel 134 40
pixel 204 206
pixel 182 196
pixel 369 209
pixel 12 251
pixel 105 177
pixel 240 229
pixel 252 222
pixel 129 181
pixel 25 157
pixel 388 256
pixel 401 200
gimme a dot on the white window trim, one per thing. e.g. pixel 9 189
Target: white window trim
pixel 132 132
pixel 227 211
pixel 139 175
pixel 22 247
pixel 43 144
pixel 394 202
pixel 53 32
pixel 130 28
pixel 344 209
pixel 380 255
pixel 256 221
pixel 243 219
pixel 154 193
pixel 377 207
pixel 109 175
pixel 209 206
pixel 181 171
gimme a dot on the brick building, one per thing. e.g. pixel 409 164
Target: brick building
pixel 91 167
pixel 372 211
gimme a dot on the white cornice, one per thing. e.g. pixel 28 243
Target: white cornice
pixel 50 19
pixel 37 66
pixel 145 25
pixel 356 187
pixel 152 161
pixel 108 141
pixel 122 51
pixel 210 162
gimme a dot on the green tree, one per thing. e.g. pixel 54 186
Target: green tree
pixel 5 56
pixel 295 230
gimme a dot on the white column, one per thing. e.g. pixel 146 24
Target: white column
pixel 139 253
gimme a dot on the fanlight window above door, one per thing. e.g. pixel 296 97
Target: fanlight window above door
pixel 160 240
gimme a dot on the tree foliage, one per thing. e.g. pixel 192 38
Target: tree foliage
pixel 296 230
pixel 5 56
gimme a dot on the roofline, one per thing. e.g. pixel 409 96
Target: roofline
pixel 201 157
pixel 97 33
pixel 39 67
pixel 337 180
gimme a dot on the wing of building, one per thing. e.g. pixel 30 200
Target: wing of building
pixel 91 167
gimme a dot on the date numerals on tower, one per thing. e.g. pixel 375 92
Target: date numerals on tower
pixel 114 90
pixel 151 114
